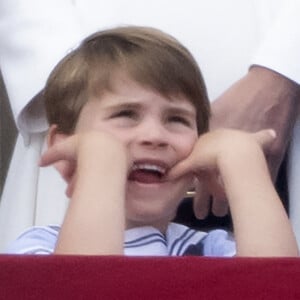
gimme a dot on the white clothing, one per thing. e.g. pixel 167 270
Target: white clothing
pixel 226 37
pixel 141 241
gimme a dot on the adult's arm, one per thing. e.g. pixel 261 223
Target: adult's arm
pixel 268 96
pixel 261 99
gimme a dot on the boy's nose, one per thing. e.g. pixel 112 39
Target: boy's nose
pixel 153 135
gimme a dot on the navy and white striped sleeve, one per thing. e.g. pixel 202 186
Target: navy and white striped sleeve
pixel 36 240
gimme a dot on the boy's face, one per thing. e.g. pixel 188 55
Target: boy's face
pixel 158 133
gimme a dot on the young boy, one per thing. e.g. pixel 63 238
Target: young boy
pixel 126 109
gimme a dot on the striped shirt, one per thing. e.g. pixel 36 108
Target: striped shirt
pixel 142 241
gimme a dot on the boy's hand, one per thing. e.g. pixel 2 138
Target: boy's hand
pixel 95 166
pixel 208 152
pixel 64 151
pixel 68 151
pixel 261 99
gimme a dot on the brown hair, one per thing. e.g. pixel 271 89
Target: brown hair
pixel 149 56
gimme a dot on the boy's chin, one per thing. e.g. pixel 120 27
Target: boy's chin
pixel 143 220
pixel 153 211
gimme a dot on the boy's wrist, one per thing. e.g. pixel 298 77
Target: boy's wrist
pixel 102 165
pixel 240 155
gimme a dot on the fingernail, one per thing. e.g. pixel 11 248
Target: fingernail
pixel 273 133
pixel 200 216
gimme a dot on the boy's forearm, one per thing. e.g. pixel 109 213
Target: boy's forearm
pixel 260 223
pixel 94 222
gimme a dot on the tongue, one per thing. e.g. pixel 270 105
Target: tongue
pixel 145 176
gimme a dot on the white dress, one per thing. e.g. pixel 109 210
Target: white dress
pixel 226 37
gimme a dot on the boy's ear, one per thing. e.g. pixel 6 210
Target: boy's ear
pixel 54 136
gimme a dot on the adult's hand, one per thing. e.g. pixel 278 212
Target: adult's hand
pixel 261 99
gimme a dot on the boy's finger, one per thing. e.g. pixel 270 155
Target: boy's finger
pixel 70 187
pixel 51 156
pixel 67 169
pixel 45 159
pixel 265 137
pixel 60 151
pixel 179 170
pixel 220 207
pixel 201 202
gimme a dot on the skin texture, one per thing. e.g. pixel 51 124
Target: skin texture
pixel 133 126
pixel 262 99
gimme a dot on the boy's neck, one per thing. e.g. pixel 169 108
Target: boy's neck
pixel 160 226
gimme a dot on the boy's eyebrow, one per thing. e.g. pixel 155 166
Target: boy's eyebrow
pixel 126 105
pixel 182 111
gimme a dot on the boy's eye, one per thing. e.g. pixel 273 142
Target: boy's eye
pixel 126 113
pixel 180 119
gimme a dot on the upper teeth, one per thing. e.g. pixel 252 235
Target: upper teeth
pixel 149 167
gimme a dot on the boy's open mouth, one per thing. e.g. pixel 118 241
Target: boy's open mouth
pixel 147 173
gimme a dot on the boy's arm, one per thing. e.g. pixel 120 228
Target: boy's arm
pixel 94 221
pixel 261 225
